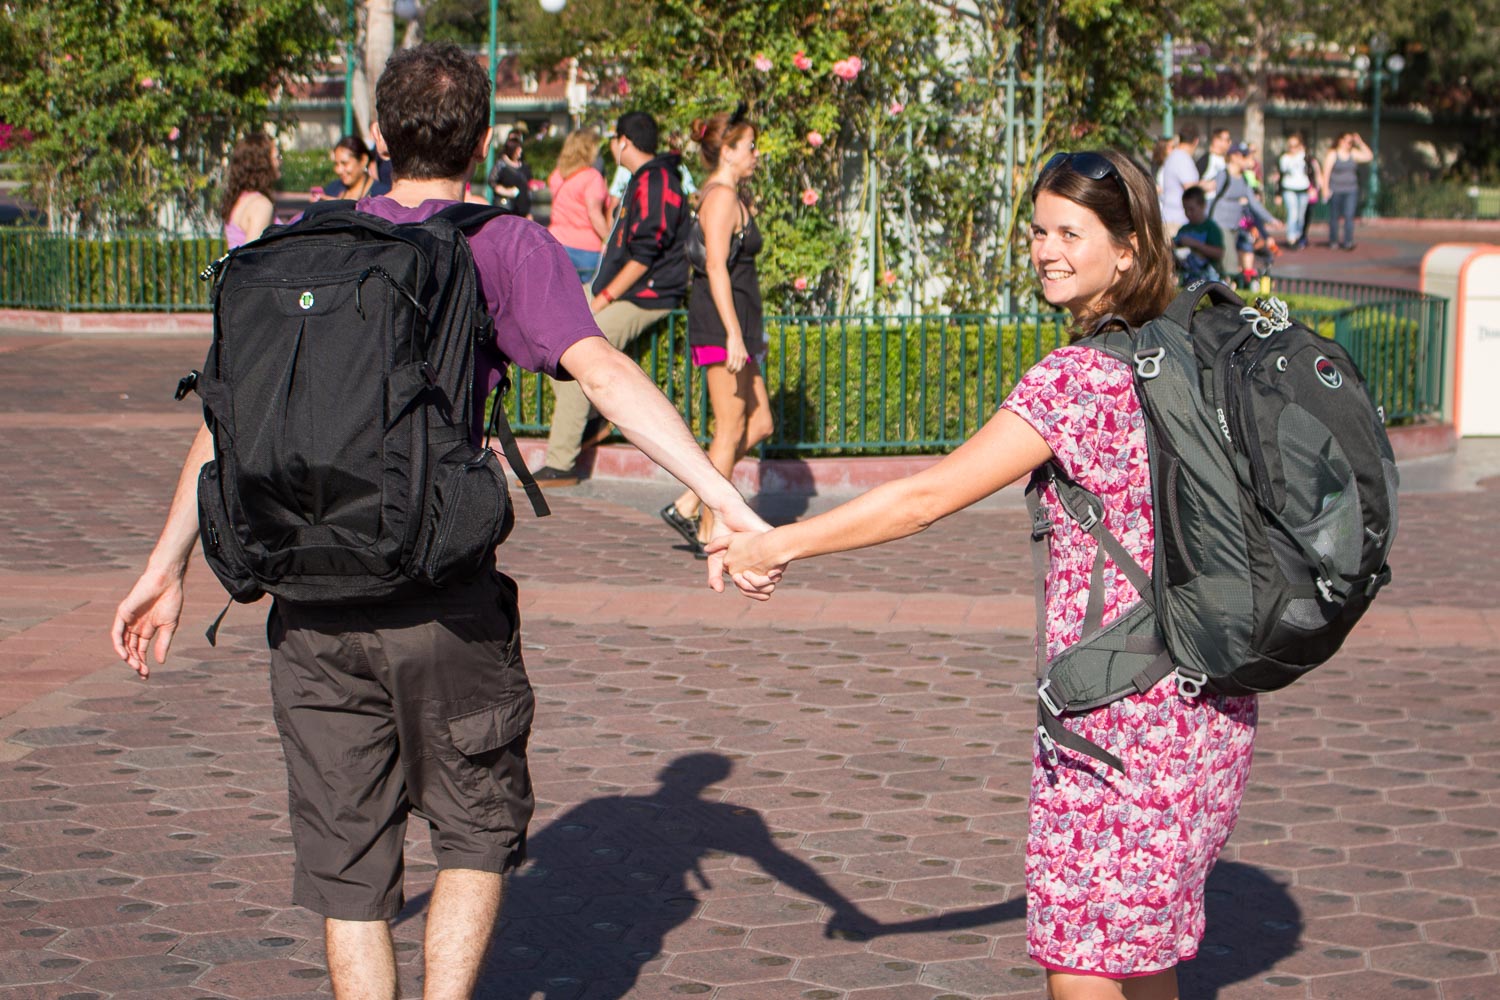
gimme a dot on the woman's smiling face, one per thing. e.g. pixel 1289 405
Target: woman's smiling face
pixel 349 168
pixel 1075 259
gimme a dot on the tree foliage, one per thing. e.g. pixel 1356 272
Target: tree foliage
pixel 912 152
pixel 133 105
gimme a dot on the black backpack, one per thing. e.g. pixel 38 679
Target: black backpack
pixel 340 392
pixel 1274 496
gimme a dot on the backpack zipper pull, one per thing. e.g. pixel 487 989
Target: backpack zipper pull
pixel 214 267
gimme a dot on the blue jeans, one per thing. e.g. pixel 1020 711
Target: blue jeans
pixel 1296 214
pixel 586 262
pixel 1341 206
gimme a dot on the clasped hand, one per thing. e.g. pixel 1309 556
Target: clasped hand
pixel 747 556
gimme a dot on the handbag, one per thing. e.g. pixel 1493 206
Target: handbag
pixel 696 249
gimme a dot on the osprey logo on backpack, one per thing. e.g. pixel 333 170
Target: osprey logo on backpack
pixel 1328 373
pixel 344 467
pixel 1275 507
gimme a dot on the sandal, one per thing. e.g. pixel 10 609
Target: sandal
pixel 685 526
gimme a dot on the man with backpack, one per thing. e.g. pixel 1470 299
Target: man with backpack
pixel 341 456
pixel 642 276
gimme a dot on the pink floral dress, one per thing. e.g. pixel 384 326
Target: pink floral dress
pixel 1116 865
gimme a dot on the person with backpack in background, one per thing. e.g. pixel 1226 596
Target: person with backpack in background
pixel 1215 160
pixel 418 700
pixel 1239 212
pixel 1199 245
pixel 1213 503
pixel 642 277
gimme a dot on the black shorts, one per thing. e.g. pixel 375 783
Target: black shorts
pixel 419 705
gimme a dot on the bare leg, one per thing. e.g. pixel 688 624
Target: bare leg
pixel 460 920
pixel 729 427
pixel 361 959
pixel 1161 986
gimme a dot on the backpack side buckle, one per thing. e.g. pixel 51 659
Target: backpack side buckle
pixel 1045 697
pixel 1049 745
pixel 1190 682
pixel 1148 363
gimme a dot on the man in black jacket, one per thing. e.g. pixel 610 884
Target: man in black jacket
pixel 642 277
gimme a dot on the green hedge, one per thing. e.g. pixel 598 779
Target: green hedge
pixel 40 270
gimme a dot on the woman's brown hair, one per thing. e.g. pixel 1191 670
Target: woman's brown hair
pixel 723 129
pixel 251 168
pixel 1125 201
pixel 579 151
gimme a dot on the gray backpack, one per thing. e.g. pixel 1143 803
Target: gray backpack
pixel 1274 496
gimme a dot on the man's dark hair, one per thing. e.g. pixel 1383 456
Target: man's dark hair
pixel 1188 134
pixel 1194 193
pixel 432 103
pixel 640 129
pixel 1220 133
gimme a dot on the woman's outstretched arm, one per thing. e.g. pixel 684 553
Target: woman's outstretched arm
pixel 1004 450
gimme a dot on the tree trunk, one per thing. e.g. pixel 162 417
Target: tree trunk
pixel 1256 87
pixel 380 39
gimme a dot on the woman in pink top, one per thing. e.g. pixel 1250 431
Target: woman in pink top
pixel 247 209
pixel 1116 862
pixel 578 192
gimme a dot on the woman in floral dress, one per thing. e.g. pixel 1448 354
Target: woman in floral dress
pixel 1115 862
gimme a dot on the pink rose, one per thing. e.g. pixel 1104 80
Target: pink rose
pixel 175 134
pixel 763 62
pixel 147 83
pixel 67 57
pixel 815 139
pixel 800 284
pixel 801 61
pixel 889 277
pixel 809 197
pixel 897 107
pixel 848 69
pixel 622 86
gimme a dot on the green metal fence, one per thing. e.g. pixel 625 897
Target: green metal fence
pixel 838 384
pixel 141 272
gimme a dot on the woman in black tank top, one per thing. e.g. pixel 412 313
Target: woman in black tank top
pixel 725 329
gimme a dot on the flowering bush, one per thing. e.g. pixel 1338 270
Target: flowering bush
pixel 131 108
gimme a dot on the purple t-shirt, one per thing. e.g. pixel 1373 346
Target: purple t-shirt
pixel 530 286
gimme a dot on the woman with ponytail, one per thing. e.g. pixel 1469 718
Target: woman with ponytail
pixel 725 328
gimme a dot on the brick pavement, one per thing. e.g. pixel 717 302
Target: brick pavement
pixel 717 779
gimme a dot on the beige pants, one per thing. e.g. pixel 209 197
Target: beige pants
pixel 620 322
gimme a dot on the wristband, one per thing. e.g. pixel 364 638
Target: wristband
pixel 606 296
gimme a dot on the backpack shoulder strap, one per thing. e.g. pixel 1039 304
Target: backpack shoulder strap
pixel 468 215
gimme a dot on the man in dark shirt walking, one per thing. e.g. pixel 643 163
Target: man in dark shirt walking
pixel 643 276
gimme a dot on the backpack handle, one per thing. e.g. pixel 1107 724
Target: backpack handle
pixel 1182 308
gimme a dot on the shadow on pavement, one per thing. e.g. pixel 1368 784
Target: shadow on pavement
pixel 606 881
pixel 1253 924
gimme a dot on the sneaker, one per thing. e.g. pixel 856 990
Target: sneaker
pixel 548 476
pixel 685 526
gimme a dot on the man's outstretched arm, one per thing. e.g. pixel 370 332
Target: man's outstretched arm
pixel 628 399
pixel 147 618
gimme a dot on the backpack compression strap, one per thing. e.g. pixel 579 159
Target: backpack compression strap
pixel 1080 678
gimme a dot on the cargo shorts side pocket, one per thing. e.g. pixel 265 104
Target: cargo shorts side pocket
pixel 493 769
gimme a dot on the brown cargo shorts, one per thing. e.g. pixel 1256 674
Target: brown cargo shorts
pixel 411 706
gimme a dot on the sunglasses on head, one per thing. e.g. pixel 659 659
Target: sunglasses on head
pixel 1091 165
